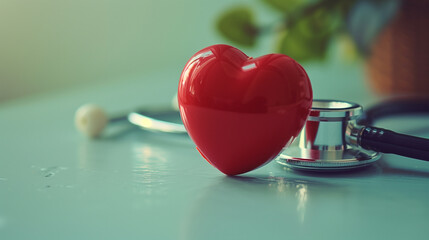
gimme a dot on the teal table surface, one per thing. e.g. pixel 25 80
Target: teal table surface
pixel 131 184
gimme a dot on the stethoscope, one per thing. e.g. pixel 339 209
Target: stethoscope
pixel 337 135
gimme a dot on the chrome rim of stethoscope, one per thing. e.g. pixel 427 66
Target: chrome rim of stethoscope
pixel 152 124
pixel 326 142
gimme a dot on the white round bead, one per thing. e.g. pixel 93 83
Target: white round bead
pixel 90 120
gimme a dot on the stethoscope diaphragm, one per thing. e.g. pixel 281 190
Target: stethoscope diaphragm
pixel 325 142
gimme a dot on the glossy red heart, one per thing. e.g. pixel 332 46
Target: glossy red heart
pixel 240 111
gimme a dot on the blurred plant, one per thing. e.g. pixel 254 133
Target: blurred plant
pixel 307 26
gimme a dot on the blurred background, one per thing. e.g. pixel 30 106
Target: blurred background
pixel 52 45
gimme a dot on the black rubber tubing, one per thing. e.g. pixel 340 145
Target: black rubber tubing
pixel 387 141
pixel 394 107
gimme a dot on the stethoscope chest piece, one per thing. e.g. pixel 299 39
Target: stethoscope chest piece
pixel 327 141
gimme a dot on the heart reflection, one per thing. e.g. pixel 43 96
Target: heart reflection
pixel 274 203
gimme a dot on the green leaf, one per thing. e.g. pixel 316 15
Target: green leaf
pixel 237 25
pixel 286 6
pixel 300 47
pixel 320 23
pixel 307 37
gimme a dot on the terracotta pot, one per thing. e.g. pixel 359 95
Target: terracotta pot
pixel 399 62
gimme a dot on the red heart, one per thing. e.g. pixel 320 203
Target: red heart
pixel 240 111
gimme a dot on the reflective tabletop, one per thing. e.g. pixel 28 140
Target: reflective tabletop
pixel 132 184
